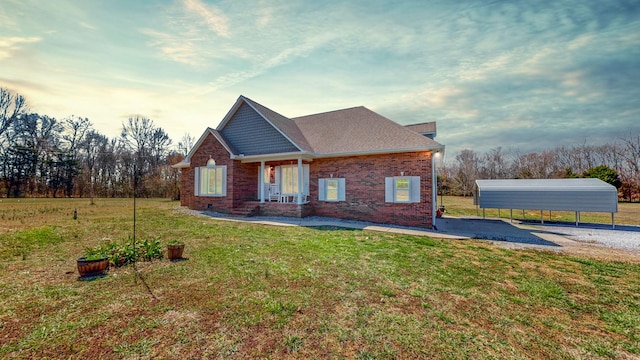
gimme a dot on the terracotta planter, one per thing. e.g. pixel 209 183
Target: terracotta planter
pixel 174 251
pixel 88 268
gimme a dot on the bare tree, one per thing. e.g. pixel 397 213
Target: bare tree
pixel 467 171
pixel 149 146
pixel 11 107
pixel 92 145
pixel 186 144
pixel 630 175
pixel 495 164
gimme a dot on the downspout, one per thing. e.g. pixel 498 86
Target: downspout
pixel 434 191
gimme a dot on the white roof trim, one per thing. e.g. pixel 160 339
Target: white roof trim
pixel 181 165
pixel 195 147
pixel 274 157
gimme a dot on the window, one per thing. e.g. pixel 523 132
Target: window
pixel 331 189
pixel 402 189
pixel 287 177
pixel 211 180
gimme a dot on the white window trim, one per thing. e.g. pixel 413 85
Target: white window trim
pixel 390 189
pixel 197 180
pixel 323 189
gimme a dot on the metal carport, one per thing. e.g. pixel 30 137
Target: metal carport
pixel 593 195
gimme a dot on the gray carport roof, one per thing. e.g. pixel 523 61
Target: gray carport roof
pixel 547 194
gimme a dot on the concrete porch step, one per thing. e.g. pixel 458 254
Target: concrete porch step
pixel 247 211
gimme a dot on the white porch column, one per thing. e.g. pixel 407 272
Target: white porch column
pixel 261 181
pixel 300 181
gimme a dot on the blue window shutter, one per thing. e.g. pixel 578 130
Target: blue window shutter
pixel 414 185
pixel 388 189
pixel 196 181
pixel 341 189
pixel 322 187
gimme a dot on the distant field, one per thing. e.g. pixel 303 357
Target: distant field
pixel 628 213
pixel 256 291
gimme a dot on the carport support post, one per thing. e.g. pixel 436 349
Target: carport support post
pixel 613 223
pixel 483 214
pixel 499 214
pixel 511 215
pixel 542 216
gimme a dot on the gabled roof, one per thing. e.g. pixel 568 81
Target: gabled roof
pixel 282 123
pixel 352 131
pixel 359 130
pixel 187 160
pixel 423 128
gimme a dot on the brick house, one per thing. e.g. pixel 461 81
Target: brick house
pixel 351 164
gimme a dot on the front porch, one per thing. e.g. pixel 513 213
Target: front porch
pixel 284 181
pixel 272 208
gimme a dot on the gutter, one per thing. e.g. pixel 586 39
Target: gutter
pixel 379 152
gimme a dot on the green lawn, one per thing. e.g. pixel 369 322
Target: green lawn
pixel 251 291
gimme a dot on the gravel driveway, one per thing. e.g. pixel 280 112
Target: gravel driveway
pixel 589 239
pixel 548 234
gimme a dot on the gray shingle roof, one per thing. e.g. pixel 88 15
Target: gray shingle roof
pixel 358 130
pixel 427 127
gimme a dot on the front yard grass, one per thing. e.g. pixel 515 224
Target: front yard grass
pixel 251 291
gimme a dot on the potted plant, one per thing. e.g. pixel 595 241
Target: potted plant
pixel 94 263
pixel 175 249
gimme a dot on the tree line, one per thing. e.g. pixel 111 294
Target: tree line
pixel 47 157
pixel 617 162
pixel 41 156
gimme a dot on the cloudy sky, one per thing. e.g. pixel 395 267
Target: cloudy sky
pixel 527 75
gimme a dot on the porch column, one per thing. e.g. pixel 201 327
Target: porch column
pixel 261 181
pixel 300 180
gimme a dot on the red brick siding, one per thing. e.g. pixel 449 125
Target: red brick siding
pixel 245 182
pixel 364 180
pixel 365 188
pixel 210 148
pixel 279 209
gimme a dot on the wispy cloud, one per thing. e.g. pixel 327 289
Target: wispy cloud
pixel 268 62
pixel 192 34
pixel 87 25
pixel 213 17
pixel 9 45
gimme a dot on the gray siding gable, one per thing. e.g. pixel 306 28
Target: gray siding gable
pixel 250 134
